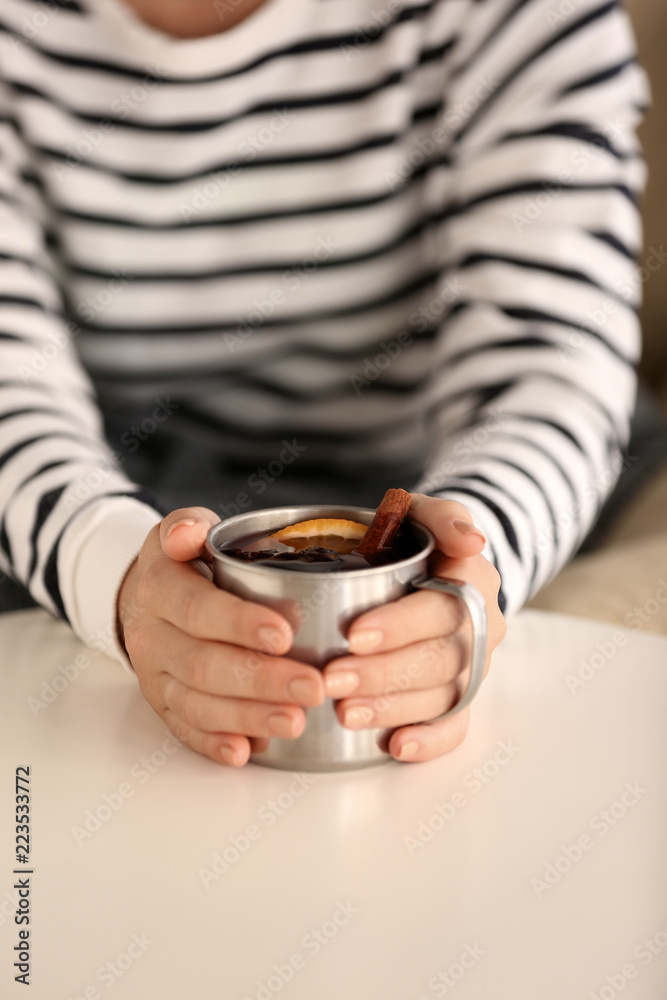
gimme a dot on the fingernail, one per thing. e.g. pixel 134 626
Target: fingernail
pixel 304 690
pixel 358 717
pixel 270 639
pixel 280 725
pixel 227 754
pixel 408 751
pixel 187 522
pixel 465 528
pixel 341 683
pixel 365 641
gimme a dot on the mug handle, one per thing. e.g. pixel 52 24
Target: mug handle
pixel 476 608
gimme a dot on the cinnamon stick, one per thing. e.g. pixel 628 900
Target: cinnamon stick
pixel 384 526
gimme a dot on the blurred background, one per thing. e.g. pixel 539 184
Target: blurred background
pixel 650 21
pixel 624 578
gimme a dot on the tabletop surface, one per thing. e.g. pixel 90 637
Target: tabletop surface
pixel 529 864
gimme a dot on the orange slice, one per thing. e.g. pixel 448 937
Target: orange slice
pixel 329 532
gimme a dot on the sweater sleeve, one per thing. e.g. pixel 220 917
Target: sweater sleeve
pixel 71 522
pixel 539 252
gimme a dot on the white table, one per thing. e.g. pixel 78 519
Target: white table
pixel 540 874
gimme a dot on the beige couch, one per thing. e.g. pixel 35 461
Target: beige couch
pixel 625 581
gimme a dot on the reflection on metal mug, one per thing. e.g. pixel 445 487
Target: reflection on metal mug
pixel 320 606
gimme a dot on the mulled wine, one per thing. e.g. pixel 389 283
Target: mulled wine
pixel 331 553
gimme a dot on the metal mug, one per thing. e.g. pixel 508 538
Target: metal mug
pixel 320 606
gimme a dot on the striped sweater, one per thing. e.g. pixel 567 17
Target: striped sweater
pixel 402 234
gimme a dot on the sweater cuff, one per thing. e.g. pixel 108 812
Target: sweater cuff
pixel 96 552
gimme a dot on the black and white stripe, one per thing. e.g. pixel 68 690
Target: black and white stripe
pixel 461 173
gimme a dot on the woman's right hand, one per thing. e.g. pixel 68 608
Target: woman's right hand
pixel 211 664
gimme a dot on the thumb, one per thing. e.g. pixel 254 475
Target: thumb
pixel 451 523
pixel 184 531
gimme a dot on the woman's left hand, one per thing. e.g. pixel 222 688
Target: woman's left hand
pixel 408 659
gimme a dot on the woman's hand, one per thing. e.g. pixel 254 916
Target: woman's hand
pixel 213 666
pixel 408 658
pixel 210 664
